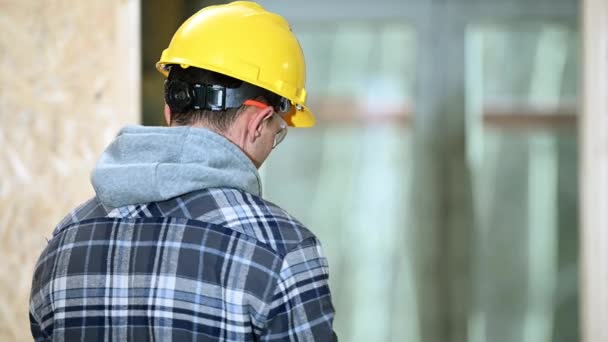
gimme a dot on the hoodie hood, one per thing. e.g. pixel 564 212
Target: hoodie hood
pixel 151 164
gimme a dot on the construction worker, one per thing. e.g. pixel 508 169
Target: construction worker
pixel 178 243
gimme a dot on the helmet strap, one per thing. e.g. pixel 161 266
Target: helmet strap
pixel 211 97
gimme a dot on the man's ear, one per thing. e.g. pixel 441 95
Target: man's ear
pixel 167 114
pixel 256 122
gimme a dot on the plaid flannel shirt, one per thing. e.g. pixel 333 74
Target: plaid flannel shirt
pixel 212 265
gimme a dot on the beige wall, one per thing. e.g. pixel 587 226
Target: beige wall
pixel 594 173
pixel 69 80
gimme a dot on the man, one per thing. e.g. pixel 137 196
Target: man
pixel 178 243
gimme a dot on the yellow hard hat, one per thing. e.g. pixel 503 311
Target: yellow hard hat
pixel 246 42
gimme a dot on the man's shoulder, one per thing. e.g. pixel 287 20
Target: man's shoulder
pixel 230 208
pixel 247 214
pixel 87 210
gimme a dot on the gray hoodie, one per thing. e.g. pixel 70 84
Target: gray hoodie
pixel 150 164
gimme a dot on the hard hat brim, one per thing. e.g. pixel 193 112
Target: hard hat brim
pixel 303 118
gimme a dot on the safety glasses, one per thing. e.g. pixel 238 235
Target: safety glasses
pixel 282 132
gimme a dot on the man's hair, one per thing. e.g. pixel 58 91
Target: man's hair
pixel 220 120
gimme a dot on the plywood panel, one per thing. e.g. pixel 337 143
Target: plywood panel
pixel 70 80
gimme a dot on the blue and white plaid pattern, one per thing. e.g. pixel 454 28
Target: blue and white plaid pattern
pixel 212 265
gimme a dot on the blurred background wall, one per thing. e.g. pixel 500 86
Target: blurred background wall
pixel 594 172
pixel 441 177
pixel 70 79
